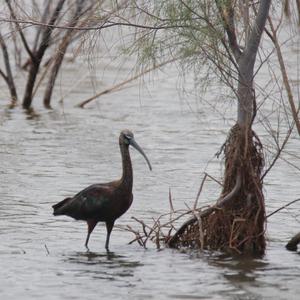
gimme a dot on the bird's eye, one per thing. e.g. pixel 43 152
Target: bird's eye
pixel 128 137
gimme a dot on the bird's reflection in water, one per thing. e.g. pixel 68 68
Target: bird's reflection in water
pixel 104 265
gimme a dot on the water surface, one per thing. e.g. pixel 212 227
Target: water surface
pixel 57 153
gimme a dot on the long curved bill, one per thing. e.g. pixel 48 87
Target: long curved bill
pixel 135 145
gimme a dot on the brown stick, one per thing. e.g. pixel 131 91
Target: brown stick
pixel 12 13
pixel 219 205
pixel 285 76
pixel 282 207
pixel 278 154
pixel 298 10
pixel 293 243
pixel 171 202
pixel 214 179
pixel 119 85
pixel 8 77
pixel 200 190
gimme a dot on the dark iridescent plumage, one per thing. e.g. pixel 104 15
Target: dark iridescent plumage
pixel 104 202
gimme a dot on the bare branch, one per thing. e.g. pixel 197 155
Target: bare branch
pixel 119 85
pixel 278 154
pixel 105 24
pixel 43 20
pixel 282 207
pixel 227 13
pixel 170 201
pixel 8 77
pixel 293 243
pixel 219 205
pixel 285 76
pixel 200 190
pixel 257 30
pixel 12 13
pixel 58 59
pixel 34 68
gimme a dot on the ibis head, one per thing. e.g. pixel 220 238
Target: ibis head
pixel 127 139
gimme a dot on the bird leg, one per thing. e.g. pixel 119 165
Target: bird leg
pixel 109 227
pixel 91 226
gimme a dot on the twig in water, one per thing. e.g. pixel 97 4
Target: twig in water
pixel 293 243
pixel 282 207
pixel 138 237
pixel 171 203
pixel 121 84
pixel 200 190
pixel 143 225
pixel 214 179
pixel 48 253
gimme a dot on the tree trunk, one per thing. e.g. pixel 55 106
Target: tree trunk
pixel 38 56
pixel 237 222
pixel 8 77
pixel 242 221
pixel 60 55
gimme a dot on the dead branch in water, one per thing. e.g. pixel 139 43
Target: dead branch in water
pixel 167 233
pixel 8 77
pixel 282 207
pixel 200 190
pixel 123 83
pixel 235 222
pixel 158 232
pixel 163 232
pixel 219 205
pixel 48 252
pixel 293 243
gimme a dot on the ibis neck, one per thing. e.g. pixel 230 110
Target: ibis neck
pixel 127 176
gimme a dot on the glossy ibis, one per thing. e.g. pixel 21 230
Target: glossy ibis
pixel 104 202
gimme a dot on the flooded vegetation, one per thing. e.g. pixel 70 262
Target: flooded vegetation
pixel 48 155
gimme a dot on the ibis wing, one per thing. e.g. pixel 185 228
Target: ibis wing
pixel 90 203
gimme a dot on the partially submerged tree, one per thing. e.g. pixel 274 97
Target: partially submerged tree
pixel 42 32
pixel 224 34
